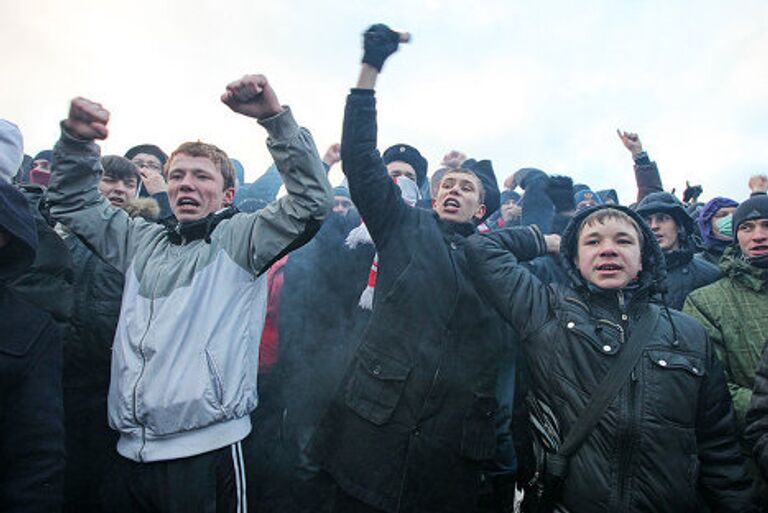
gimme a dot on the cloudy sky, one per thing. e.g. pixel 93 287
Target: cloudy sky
pixel 524 83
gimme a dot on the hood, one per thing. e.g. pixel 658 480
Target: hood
pixel 669 204
pixel 16 219
pixel 704 221
pixel 651 278
pixel 11 150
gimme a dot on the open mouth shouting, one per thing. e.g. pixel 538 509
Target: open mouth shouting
pixel 451 205
pixel 759 250
pixel 608 268
pixel 187 203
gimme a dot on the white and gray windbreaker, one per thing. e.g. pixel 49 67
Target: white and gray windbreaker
pixel 185 355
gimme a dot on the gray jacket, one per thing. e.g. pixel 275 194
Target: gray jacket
pixel 185 355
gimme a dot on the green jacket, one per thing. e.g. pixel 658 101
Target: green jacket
pixel 734 310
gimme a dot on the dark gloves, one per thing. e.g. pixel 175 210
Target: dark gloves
pixel 379 42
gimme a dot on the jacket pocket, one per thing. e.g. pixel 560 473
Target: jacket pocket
pixel 674 380
pixel 478 437
pixel 375 385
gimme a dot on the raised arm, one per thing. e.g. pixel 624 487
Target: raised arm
pixel 646 172
pixel 494 259
pixel 73 189
pixel 374 193
pixel 293 219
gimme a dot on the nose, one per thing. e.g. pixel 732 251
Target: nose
pixel 653 224
pixel 608 249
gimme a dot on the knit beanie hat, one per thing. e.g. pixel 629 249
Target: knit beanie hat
pixel 586 195
pixel 11 150
pixel 509 195
pixel 409 155
pixel 340 190
pixel 755 207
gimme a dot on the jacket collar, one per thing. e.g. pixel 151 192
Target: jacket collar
pixel 184 233
pixel 743 273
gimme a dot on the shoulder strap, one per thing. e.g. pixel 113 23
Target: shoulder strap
pixel 557 464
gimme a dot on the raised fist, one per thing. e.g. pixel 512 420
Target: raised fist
pixel 87 120
pixel 631 141
pixel 252 96
pixel 332 154
pixel 454 159
pixel 758 183
pixel 379 42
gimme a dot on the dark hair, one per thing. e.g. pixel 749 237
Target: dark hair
pixel 119 168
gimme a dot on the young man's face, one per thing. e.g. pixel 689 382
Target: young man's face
pixel 145 160
pixel 510 211
pixel 118 192
pixel 458 198
pixel 753 237
pixel 608 253
pixel 665 229
pixel 341 204
pixel 398 168
pixel 196 188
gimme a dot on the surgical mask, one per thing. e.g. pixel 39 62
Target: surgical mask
pixel 725 225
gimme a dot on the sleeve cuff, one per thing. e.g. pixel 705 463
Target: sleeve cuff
pixel 281 126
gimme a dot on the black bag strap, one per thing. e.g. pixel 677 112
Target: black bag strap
pixel 557 464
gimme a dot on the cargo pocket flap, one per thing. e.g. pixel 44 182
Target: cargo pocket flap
pixel 670 360
pixel 375 385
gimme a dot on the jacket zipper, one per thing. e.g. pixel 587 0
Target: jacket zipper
pixel 626 443
pixel 141 374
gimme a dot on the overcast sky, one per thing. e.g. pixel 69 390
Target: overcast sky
pixel 542 84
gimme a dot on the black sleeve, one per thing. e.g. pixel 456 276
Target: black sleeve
pixel 756 431
pixel 518 296
pixel 373 192
pixel 647 177
pixel 723 477
pixel 32 432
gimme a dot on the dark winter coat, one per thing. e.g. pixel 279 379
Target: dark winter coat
pixel 97 293
pixel 669 437
pixel 31 411
pixel 415 415
pixel 47 283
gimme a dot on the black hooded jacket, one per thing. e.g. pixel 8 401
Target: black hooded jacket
pixel 31 410
pixel 668 439
pixel 686 271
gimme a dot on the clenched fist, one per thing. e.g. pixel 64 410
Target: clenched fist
pixel 87 120
pixel 252 96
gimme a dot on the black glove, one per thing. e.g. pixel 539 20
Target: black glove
pixel 692 193
pixel 379 42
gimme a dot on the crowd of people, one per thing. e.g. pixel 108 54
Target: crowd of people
pixel 177 340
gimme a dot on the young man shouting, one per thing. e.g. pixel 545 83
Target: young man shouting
pixel 185 355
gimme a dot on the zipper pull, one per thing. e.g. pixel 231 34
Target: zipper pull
pixel 633 376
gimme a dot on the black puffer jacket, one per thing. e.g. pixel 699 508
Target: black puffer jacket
pixel 686 272
pixel 669 437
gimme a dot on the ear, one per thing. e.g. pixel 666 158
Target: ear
pixel 480 212
pixel 434 202
pixel 229 196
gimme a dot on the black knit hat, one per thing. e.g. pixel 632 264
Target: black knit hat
pixel 484 171
pixel 149 149
pixel 409 155
pixel 755 207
